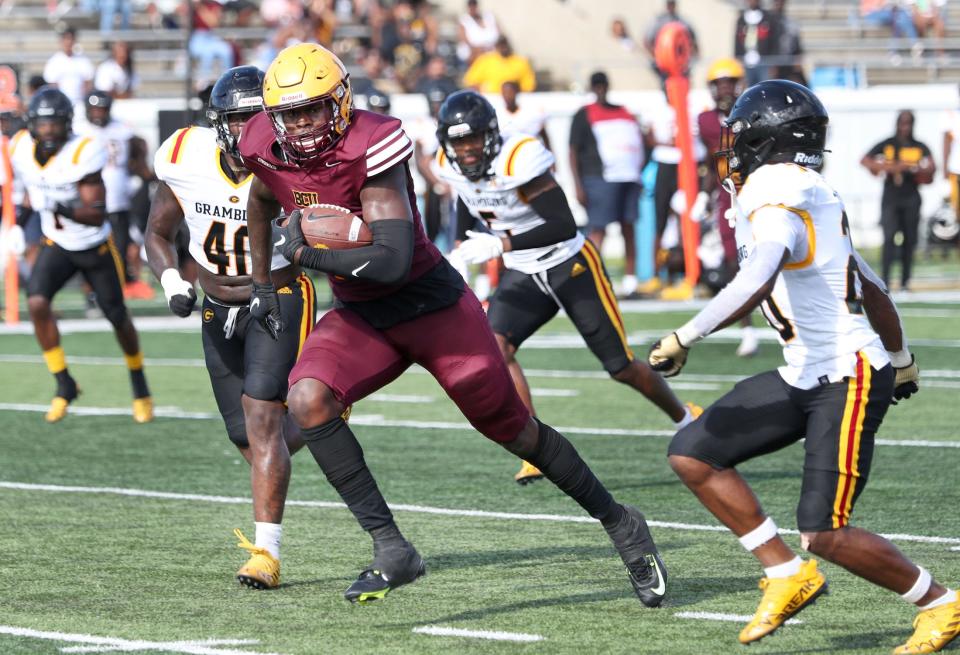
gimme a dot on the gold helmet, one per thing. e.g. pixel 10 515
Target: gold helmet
pixel 307 75
pixel 726 67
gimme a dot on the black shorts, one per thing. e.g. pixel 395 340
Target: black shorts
pixel 763 414
pixel 100 266
pixel 250 361
pixel 523 303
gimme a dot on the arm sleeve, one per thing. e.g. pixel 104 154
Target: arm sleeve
pixel 755 273
pixel 559 223
pixel 386 261
pixel 465 220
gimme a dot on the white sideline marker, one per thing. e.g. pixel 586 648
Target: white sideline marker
pixel 417 509
pixel 116 644
pixel 495 635
pixel 719 616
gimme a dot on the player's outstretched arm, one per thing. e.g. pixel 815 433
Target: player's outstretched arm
pixel 159 241
pixel 885 320
pixel 386 209
pixel 754 282
pixel 91 205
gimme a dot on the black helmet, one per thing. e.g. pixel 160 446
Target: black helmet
pixel 238 91
pixel 774 121
pixel 101 100
pixel 466 113
pixel 378 101
pixel 50 103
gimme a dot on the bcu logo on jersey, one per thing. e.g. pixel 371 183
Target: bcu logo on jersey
pixel 305 198
pixel 217 211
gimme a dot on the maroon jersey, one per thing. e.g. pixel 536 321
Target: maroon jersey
pixel 709 124
pixel 371 145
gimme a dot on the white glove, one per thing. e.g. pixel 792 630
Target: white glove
pixel 456 260
pixel 12 241
pixel 480 247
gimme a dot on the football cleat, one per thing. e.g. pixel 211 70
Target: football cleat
pixel 262 570
pixel 66 394
pixel 143 409
pixel 648 575
pixel 782 598
pixel 528 473
pixel 933 630
pixel 376 582
pixel 679 291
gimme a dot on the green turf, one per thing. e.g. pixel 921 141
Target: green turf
pixel 162 569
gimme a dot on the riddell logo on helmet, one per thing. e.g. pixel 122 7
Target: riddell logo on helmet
pixel 810 160
pixel 458 130
pixel 292 97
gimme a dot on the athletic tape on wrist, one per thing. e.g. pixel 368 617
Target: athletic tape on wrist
pixel 759 535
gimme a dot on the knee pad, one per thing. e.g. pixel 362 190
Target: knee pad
pixel 261 386
pixel 238 435
pixel 116 314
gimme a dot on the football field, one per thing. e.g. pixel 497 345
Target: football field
pixel 117 537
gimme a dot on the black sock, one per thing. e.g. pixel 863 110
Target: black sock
pixel 138 381
pixel 340 457
pixel 560 462
pixel 66 386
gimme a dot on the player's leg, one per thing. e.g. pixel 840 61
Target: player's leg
pixel 521 306
pixel 843 421
pixel 458 348
pixel 629 213
pixel 599 208
pixel 343 360
pixel 103 270
pixel 888 221
pixel 583 288
pixel 51 270
pixel 910 229
pixel 759 415
pixel 266 365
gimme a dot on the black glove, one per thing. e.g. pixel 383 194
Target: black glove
pixel 182 304
pixel 907 381
pixel 64 210
pixel 288 239
pixel 265 307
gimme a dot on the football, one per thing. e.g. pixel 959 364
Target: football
pixel 330 226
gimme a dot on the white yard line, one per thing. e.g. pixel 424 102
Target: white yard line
pixel 116 644
pixel 718 616
pixel 416 509
pixel 495 635
pixel 554 393
pixel 379 421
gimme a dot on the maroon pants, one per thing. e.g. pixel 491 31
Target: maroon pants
pixel 454 344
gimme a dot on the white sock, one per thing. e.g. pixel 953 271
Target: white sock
pixel 685 421
pixel 949 597
pixel 268 537
pixel 784 570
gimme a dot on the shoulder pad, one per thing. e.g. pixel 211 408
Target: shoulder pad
pixel 87 154
pixel 778 184
pixel 523 158
pixel 387 146
pixel 181 151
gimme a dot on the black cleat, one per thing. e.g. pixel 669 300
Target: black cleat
pixel 647 573
pixel 391 569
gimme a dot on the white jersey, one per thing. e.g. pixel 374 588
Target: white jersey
pixel 497 201
pixel 116 173
pixel 58 181
pixel 214 207
pixel 816 303
pixel 525 120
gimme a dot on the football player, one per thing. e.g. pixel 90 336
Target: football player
pixel 62 175
pixel 126 154
pixel 508 185
pixel 204 183
pixel 725 79
pixel 846 360
pixel 399 302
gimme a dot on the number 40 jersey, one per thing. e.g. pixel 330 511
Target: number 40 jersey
pixel 214 207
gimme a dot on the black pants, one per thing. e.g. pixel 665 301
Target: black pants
pixel 120 224
pixel 899 214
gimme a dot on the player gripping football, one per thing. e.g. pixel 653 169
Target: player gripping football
pixel 398 303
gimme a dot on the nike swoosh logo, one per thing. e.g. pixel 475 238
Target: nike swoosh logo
pixel 255 303
pixel 283 240
pixel 357 270
pixel 661 585
pixel 331 164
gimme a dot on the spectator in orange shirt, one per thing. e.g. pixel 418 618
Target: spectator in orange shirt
pixel 490 70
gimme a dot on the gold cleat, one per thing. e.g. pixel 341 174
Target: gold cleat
pixel 933 630
pixel 649 287
pixel 58 409
pixel 262 570
pixel 143 409
pixel 695 410
pixel 678 291
pixel 528 473
pixel 782 598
